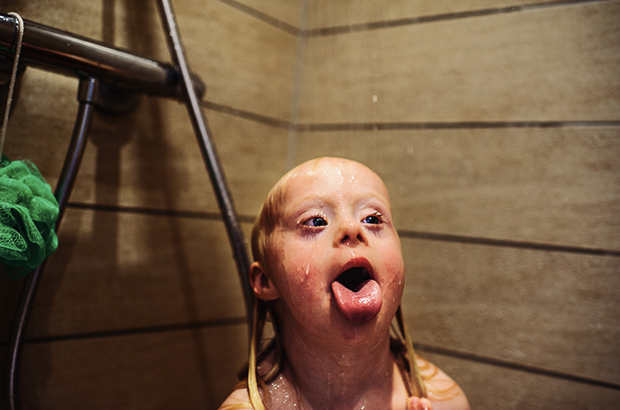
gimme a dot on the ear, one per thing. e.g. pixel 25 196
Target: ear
pixel 263 286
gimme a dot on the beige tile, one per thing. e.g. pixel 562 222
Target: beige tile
pixel 253 157
pixel 490 387
pixel 554 310
pixel 135 26
pixel 61 14
pixel 118 271
pixel 544 64
pixel 245 62
pixel 325 13
pixel 174 370
pixel 287 11
pixel 36 131
pixel 557 186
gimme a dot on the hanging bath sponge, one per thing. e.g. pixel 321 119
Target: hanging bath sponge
pixel 28 214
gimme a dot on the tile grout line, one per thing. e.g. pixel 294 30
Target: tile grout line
pixel 246 115
pixel 434 18
pixel 504 243
pixel 374 25
pixel 266 18
pixel 492 361
pixel 138 330
pixel 404 233
pixel 442 125
pixel 206 215
pixel 396 126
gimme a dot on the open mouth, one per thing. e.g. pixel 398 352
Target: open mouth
pixel 354 278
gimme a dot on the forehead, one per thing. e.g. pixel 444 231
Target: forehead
pixel 333 177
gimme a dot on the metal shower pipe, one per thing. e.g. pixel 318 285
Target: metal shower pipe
pixel 98 64
pixel 209 153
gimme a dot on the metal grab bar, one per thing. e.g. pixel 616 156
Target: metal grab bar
pixel 59 51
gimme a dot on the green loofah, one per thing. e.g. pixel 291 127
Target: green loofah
pixel 28 214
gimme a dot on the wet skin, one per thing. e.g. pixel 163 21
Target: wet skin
pixel 336 215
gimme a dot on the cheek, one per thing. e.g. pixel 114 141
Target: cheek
pixel 298 272
pixel 395 271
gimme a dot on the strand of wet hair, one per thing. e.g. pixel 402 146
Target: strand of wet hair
pixel 253 393
pixel 417 383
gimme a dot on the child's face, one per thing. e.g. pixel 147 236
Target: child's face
pixel 335 256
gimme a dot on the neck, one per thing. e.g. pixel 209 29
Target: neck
pixel 341 375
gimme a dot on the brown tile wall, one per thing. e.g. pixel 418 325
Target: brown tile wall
pixel 496 129
pixel 325 13
pixel 497 132
pixel 500 67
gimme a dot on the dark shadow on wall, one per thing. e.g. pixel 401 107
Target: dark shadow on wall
pixel 146 36
pixel 36 369
pixel 12 5
pixel 109 135
pixel 108 22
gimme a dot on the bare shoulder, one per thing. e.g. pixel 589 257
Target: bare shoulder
pixel 238 400
pixel 443 392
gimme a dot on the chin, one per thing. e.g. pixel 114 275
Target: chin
pixel 370 331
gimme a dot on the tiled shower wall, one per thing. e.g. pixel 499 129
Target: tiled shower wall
pixel 495 126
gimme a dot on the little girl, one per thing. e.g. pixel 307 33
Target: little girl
pixel 329 274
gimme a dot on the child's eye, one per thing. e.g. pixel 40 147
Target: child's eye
pixel 315 221
pixel 373 219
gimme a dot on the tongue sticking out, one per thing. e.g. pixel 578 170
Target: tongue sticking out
pixel 357 295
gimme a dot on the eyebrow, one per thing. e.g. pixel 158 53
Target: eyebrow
pixel 311 200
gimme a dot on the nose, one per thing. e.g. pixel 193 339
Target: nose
pixel 350 233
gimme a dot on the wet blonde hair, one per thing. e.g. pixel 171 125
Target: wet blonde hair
pixel 267 221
